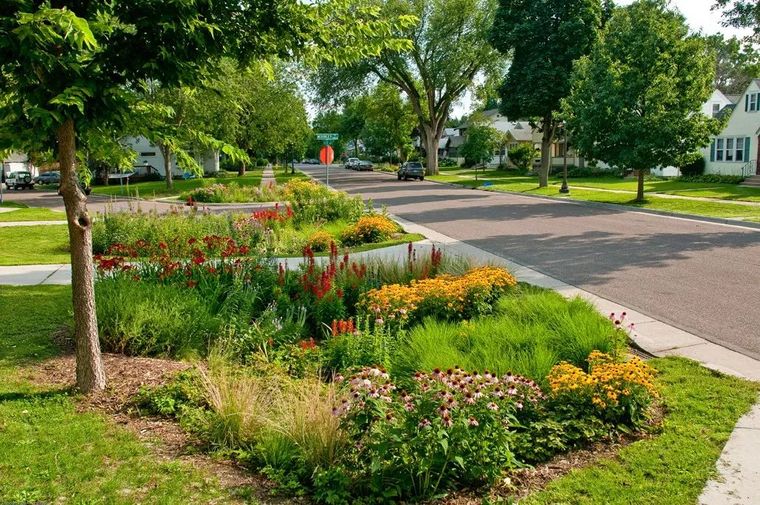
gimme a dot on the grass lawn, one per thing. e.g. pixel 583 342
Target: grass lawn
pixel 671 469
pixel 51 452
pixel 283 176
pixel 157 189
pixel 32 214
pixel 32 245
pixel 504 181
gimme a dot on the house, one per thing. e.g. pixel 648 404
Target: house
pixel 736 149
pixel 150 160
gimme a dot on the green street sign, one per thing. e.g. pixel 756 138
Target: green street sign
pixel 327 136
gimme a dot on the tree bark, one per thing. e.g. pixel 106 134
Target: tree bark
pixel 241 170
pixel 546 155
pixel 640 189
pixel 89 363
pixel 166 151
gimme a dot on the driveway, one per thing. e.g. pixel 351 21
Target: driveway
pixel 701 277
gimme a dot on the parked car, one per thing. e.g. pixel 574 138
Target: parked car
pixel 19 180
pixel 48 178
pixel 411 170
pixel 364 166
pixel 351 163
pixel 311 161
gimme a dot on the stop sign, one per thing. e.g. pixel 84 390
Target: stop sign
pixel 326 155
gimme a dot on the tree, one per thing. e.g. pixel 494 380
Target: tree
pixel 735 65
pixel 389 123
pixel 545 38
pixel 522 156
pixel 66 68
pixel 636 98
pixel 353 120
pixel 742 14
pixel 449 49
pixel 480 143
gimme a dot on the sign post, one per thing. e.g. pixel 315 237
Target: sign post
pixel 326 154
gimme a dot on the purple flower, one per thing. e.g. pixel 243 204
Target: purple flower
pixel 492 406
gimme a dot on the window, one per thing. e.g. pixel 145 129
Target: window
pixel 729 149
pixel 719 150
pixel 753 105
pixel 715 109
pixel 739 149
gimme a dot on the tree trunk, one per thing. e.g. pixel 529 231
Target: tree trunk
pixel 166 152
pixel 431 153
pixel 241 170
pixel 640 189
pixel 90 372
pixel 356 147
pixel 546 152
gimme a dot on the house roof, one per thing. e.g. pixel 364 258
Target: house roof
pixel 733 98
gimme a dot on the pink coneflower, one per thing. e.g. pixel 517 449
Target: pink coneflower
pixel 473 422
pixel 447 422
pixel 424 423
pixel 492 406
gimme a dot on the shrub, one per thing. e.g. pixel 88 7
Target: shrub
pixel 370 229
pixel 711 179
pixel 233 193
pixel 522 156
pixel 619 392
pixel 319 241
pixel 449 430
pixel 592 171
pixel 445 296
pixel 447 162
pixel 183 391
pixel 313 202
pixel 696 167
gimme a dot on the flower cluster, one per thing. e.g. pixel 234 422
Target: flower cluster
pixel 321 281
pixel 275 215
pixel 320 241
pixel 446 295
pixel 616 388
pixel 342 327
pixel 369 229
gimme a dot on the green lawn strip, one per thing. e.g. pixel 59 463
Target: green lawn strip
pixel 34 245
pixel 283 176
pixel 32 214
pixel 13 205
pixel 157 189
pixel 671 469
pixel 503 181
pixel 52 453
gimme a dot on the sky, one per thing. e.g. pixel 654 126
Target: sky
pixel 698 16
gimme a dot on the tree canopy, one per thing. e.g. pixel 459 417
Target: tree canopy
pixel 449 49
pixel 544 38
pixel 636 99
pixel 742 14
pixel 66 69
pixel 736 64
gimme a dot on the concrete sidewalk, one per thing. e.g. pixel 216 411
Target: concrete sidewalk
pixel 8 224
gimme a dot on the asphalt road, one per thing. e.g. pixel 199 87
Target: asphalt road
pixel 698 276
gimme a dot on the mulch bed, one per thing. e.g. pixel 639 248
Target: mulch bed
pixel 166 439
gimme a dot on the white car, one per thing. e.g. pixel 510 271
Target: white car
pixel 19 180
pixel 351 163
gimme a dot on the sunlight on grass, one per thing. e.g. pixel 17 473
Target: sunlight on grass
pixel 33 245
pixel 157 189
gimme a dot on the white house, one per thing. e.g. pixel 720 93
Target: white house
pixel 150 160
pixel 736 150
pixel 716 103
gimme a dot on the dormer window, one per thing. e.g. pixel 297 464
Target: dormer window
pixel 752 102
pixel 715 109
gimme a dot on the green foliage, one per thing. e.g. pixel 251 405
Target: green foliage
pixel 147 319
pixel 695 168
pixel 389 123
pixel 313 202
pixel 480 144
pixel 34 245
pixel 182 392
pixel 532 331
pixel 736 64
pixel 711 178
pixel 742 14
pixel 636 98
pixel 522 156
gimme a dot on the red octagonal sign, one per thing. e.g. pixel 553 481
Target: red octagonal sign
pixel 326 155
